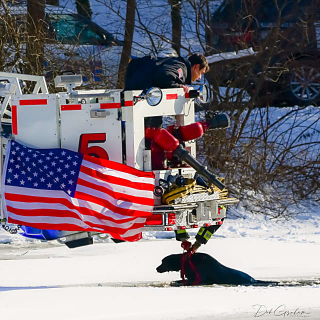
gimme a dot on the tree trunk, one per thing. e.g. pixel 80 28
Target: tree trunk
pixel 127 45
pixel 53 2
pixel 36 37
pixel 176 24
pixel 208 30
pixel 84 8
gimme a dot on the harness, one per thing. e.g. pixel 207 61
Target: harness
pixel 185 260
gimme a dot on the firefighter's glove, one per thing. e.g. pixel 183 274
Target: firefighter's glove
pixel 186 245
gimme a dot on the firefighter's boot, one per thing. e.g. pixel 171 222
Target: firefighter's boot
pixel 203 236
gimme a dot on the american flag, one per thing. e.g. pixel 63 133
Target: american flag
pixel 59 189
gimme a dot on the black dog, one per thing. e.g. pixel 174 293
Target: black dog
pixel 204 269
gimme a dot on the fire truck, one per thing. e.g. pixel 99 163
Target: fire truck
pixel 110 124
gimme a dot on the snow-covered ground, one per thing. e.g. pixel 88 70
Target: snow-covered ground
pixel 119 281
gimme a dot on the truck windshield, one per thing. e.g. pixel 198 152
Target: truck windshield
pixel 72 29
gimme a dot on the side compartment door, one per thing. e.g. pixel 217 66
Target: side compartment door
pixel 92 128
pixel 35 120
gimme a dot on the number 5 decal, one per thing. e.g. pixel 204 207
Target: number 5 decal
pixel 94 151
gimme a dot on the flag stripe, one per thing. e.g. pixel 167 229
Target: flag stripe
pixel 56 223
pixel 116 205
pixel 115 180
pixel 117 188
pixel 65 216
pixel 105 203
pixel 60 198
pixel 112 202
pixel 38 203
pixel 114 195
pixel 50 226
pixel 29 209
pixel 119 167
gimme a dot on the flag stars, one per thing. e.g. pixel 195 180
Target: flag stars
pixel 51 170
pixel 13 152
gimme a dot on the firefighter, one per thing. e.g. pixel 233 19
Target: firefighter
pixel 177 72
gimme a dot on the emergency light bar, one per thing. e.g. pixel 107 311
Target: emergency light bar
pixel 68 82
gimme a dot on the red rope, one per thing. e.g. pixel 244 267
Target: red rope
pixel 186 259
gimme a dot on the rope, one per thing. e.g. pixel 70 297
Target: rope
pixel 191 187
pixel 186 260
pixel 180 192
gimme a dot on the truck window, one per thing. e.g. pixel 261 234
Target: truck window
pixel 70 29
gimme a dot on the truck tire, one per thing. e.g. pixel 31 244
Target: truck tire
pixel 303 82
